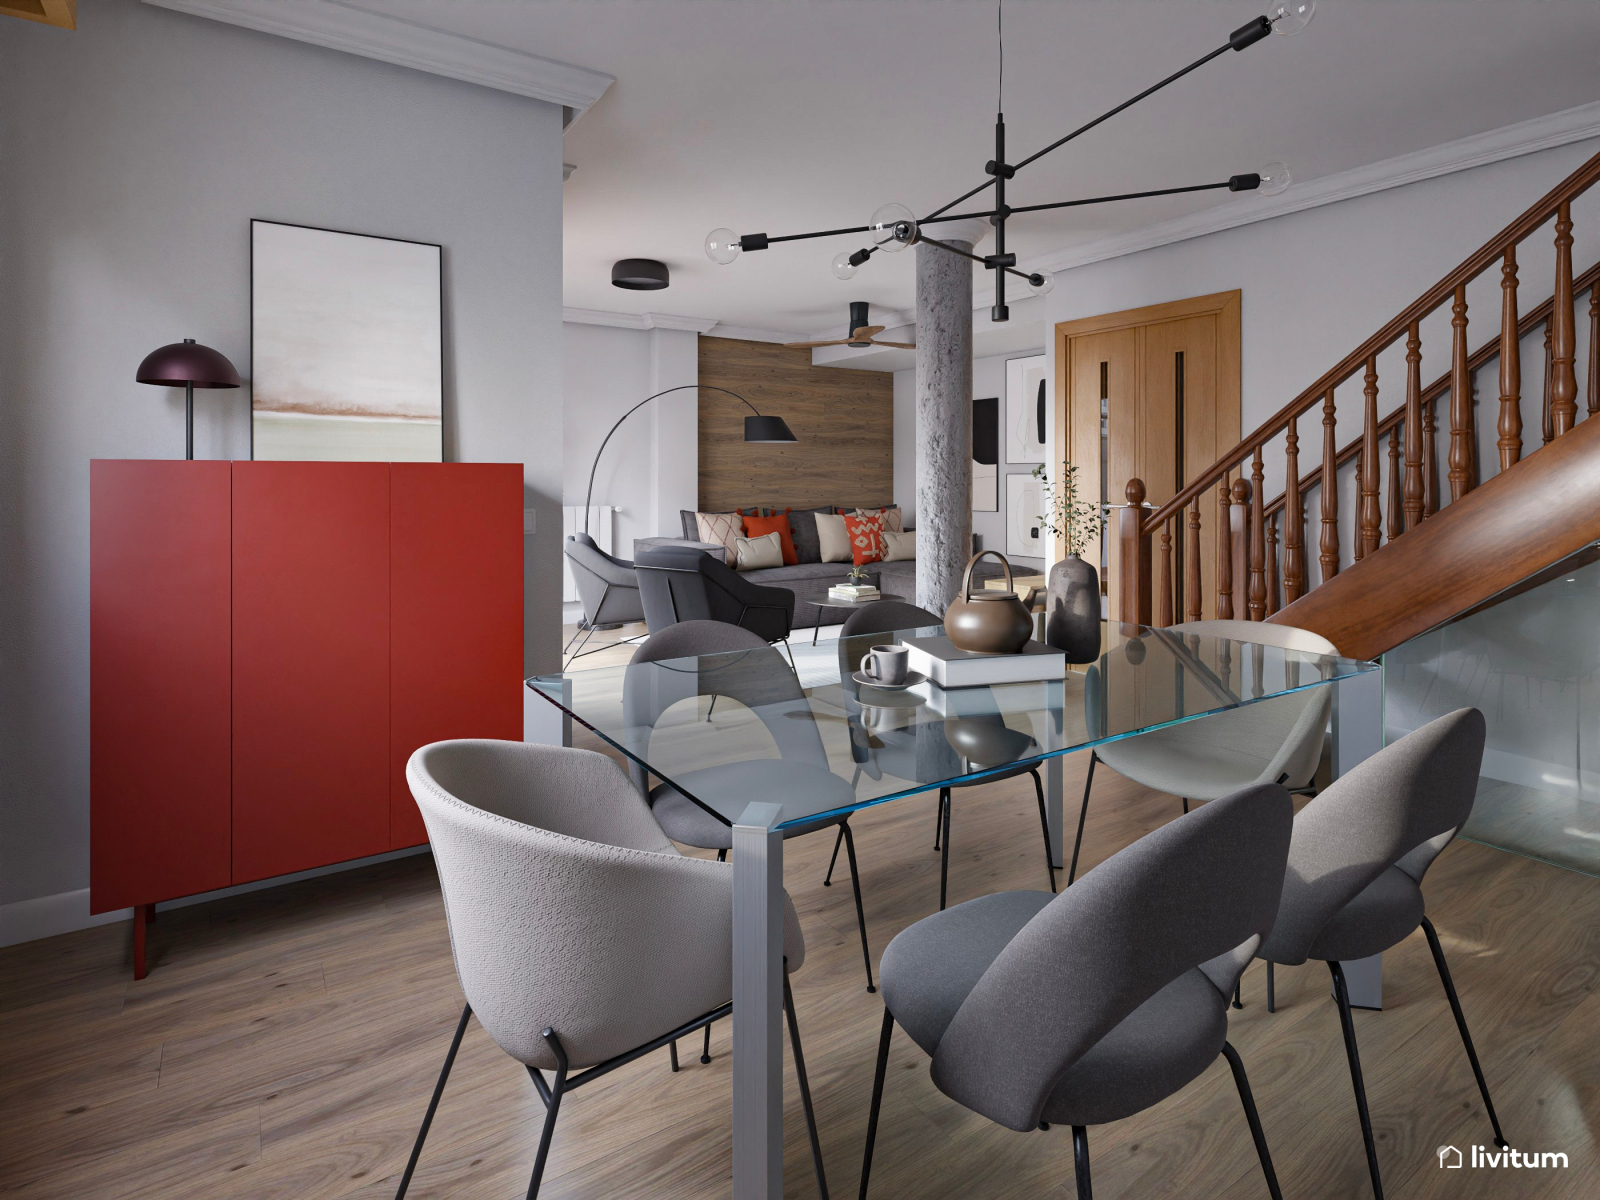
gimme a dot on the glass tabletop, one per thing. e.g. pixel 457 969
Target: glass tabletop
pixel 729 730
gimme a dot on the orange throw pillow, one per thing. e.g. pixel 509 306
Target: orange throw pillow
pixel 866 537
pixel 778 523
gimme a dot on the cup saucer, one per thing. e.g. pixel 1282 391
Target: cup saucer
pixel 912 679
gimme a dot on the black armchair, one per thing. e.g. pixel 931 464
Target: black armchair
pixel 679 584
pixel 607 586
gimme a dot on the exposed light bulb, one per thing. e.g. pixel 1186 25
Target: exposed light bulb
pixel 843 268
pixel 1290 16
pixel 1275 177
pixel 893 227
pixel 722 246
pixel 1040 283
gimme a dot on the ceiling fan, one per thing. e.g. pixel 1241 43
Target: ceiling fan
pixel 861 334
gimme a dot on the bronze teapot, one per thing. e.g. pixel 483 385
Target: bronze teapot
pixel 989 622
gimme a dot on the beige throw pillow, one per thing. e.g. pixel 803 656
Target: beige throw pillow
pixel 758 553
pixel 899 546
pixel 893 520
pixel 832 539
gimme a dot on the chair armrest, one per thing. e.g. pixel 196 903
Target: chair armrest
pixel 644 545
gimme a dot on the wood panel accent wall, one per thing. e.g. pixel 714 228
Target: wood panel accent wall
pixel 844 419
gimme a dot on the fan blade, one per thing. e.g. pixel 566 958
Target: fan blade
pixel 898 345
pixel 865 333
pixel 813 345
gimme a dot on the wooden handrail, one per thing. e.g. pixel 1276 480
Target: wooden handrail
pixel 1587 282
pixel 1475 264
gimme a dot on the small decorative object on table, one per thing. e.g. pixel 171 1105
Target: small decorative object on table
pixel 1072 605
pixel 989 622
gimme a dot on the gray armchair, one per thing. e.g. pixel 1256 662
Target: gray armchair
pixel 607 586
pixel 682 584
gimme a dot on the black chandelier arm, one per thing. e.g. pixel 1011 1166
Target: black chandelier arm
pixel 682 387
pixel 977 258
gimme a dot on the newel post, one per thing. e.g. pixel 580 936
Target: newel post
pixel 1134 543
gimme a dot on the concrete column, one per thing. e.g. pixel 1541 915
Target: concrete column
pixel 944 413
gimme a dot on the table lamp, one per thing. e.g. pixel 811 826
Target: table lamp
pixel 193 366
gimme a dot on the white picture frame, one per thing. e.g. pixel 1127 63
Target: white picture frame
pixel 1027 409
pixel 1024 502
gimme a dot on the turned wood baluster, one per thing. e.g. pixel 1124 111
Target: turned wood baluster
pixel 1548 430
pixel 1371 515
pixel 1134 538
pixel 1294 515
pixel 1274 592
pixel 1396 520
pixel 1430 460
pixel 1258 542
pixel 1224 551
pixel 1563 339
pixel 1164 597
pixel 1239 514
pixel 1510 426
pixel 1413 489
pixel 1594 350
pixel 1463 436
pixel 1191 564
pixel 1328 548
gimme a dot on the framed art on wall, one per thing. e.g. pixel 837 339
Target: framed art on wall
pixel 986 455
pixel 1027 405
pixel 347 346
pixel 1024 502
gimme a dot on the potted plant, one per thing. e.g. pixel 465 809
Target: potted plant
pixel 1072 603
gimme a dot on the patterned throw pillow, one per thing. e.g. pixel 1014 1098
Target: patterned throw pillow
pixel 777 523
pixel 721 529
pixel 866 538
pixel 893 522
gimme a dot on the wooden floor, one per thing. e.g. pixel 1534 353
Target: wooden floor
pixel 285 1043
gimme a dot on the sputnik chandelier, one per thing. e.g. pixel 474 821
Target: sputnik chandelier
pixel 894 226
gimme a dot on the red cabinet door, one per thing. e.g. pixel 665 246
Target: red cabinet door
pixel 310 664
pixel 455 615
pixel 158 700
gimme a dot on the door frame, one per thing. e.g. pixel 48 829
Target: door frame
pixel 1225 306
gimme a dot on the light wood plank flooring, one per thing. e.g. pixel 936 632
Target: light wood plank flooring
pixel 285 1043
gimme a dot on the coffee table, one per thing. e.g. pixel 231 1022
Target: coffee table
pixel 823 600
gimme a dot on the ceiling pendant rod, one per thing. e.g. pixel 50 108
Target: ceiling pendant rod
pixel 1001 172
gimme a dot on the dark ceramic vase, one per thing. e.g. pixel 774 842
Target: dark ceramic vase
pixel 1072 610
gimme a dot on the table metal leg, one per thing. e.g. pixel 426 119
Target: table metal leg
pixel 544 721
pixel 1053 785
pixel 758 1005
pixel 1357 736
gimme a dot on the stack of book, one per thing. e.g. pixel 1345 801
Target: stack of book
pixel 940 661
pixel 852 591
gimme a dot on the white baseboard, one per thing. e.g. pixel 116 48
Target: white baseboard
pixel 65 912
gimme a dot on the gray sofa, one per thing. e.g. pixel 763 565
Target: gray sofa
pixel 810 577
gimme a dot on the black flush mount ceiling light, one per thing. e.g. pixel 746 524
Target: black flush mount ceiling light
pixel 894 226
pixel 639 274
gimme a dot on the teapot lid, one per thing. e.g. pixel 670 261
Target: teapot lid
pixel 988 595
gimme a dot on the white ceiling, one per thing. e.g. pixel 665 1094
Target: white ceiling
pixel 784 116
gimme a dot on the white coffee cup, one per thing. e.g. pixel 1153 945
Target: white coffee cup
pixel 886 664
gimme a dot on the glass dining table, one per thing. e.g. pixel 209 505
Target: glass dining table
pixel 767 743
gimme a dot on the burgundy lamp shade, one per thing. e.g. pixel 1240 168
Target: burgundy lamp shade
pixel 188 363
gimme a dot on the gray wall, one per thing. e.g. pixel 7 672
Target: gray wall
pixel 133 153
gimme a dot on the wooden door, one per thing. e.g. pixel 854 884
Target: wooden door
pixel 310 665
pixel 1151 393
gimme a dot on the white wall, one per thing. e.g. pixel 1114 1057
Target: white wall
pixel 651 468
pixel 135 151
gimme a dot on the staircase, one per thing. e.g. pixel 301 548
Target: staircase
pixel 1415 559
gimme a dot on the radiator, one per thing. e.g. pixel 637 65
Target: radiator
pixel 600 529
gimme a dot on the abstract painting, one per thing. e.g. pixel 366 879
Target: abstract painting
pixel 1027 408
pixel 986 455
pixel 347 349
pixel 1024 503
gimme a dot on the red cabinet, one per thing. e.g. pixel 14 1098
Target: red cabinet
pixel 270 641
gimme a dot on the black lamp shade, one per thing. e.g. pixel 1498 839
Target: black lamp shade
pixel 767 429
pixel 187 363
pixel 639 274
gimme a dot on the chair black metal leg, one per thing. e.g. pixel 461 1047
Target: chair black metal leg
pixel 433 1104
pixel 827 880
pixel 722 855
pixel 1238 996
pixel 1461 1024
pixel 551 1109
pixel 1044 824
pixel 805 1086
pixel 1272 991
pixel 705 1055
pixel 1342 995
pixel 1185 800
pixel 861 913
pixel 944 855
pixel 1080 1158
pixel 672 1053
pixel 877 1097
pixel 1242 1082
pixel 1083 812
pixel 938 818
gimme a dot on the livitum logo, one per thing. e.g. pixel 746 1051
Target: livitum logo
pixel 1484 1156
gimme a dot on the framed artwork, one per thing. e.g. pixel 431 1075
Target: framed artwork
pixel 346 346
pixel 986 455
pixel 1024 503
pixel 1027 409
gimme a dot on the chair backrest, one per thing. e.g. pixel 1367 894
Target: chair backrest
pixel 1400 807
pixel 1196 889
pixel 607 586
pixel 1266 632
pixel 885 616
pixel 680 584
pixel 687 639
pixel 568 907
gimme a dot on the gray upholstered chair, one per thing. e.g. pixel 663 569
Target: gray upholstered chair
pixel 682 584
pixel 581 937
pixel 1003 743
pixel 1093 1005
pixel 608 587
pixel 1273 741
pixel 1356 864
pixel 752 673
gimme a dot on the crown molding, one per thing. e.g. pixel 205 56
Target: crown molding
pixel 340 26
pixel 746 333
pixel 649 320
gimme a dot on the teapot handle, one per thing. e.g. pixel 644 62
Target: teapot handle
pixel 966 576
